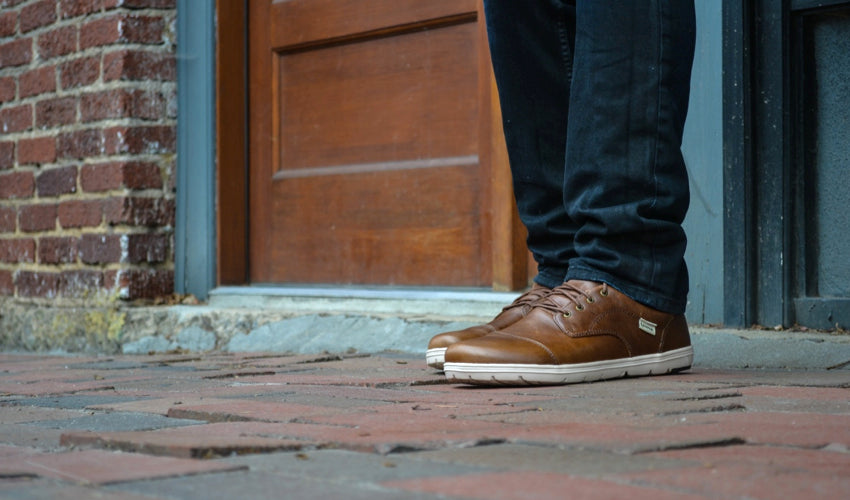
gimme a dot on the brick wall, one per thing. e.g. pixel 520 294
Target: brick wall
pixel 87 144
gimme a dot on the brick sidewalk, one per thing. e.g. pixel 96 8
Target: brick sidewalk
pixel 273 426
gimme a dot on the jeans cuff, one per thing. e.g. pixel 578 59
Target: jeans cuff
pixel 670 305
pixel 550 276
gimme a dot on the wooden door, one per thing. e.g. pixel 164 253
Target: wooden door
pixel 371 146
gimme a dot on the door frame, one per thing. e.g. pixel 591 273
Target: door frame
pixel 764 181
pixel 510 262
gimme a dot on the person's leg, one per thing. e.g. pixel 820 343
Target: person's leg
pixel 531 50
pixel 626 184
pixel 620 310
pixel 531 45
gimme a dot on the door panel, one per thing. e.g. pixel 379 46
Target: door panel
pixel 371 138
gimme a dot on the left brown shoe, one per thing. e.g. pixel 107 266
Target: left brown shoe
pixel 582 331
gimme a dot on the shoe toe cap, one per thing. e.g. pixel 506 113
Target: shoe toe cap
pixel 500 348
pixel 447 339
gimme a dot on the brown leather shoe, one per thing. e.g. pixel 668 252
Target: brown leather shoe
pixel 581 331
pixel 509 315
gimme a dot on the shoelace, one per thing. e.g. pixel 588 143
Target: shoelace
pixel 571 293
pixel 529 298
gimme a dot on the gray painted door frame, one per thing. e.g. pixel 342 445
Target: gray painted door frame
pixel 194 232
pixel 769 269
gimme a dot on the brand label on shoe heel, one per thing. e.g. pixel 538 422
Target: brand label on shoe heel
pixel 647 326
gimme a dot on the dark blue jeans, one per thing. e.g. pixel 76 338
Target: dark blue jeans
pixel 594 96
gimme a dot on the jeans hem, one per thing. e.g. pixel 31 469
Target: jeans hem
pixel 635 292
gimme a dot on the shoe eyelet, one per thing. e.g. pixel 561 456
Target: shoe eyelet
pixel 604 292
pixel 567 314
pixel 591 300
pixel 579 307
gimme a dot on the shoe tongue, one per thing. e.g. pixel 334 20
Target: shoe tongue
pixel 584 286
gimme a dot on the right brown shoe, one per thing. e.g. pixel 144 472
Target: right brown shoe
pixel 435 355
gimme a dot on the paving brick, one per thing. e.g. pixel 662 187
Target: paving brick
pixel 197 441
pixel 51 387
pixel 651 437
pixel 755 472
pixel 22 434
pixel 244 410
pixel 158 406
pixel 17 414
pixel 102 467
pixel 73 402
pixel 39 488
pixel 114 422
pixel 538 485
pixel 780 428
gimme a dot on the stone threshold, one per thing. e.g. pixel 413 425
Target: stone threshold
pixel 312 319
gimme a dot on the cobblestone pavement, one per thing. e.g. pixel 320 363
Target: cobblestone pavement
pixel 384 426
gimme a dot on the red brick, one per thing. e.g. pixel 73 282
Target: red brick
pixel 74 8
pixel 138 65
pixel 148 105
pixel 38 81
pixel 56 112
pixel 100 248
pixel 37 284
pixel 83 282
pixel 57 181
pixel 143 29
pixel 36 150
pixel 7 283
pixel 140 140
pixel 141 175
pixel 153 4
pixel 7 89
pixel 101 31
pixel 38 14
pixel 7 155
pixel 10 3
pixel 147 247
pixel 80 144
pixel 8 219
pixel 122 29
pixel 58 42
pixel 17 185
pixel 16 119
pixel 8 23
pixel 17 250
pixel 80 213
pixel 40 217
pixel 145 283
pixel 16 53
pixel 101 177
pixel 122 103
pixel 131 175
pixel 139 211
pixel 57 250
pixel 80 72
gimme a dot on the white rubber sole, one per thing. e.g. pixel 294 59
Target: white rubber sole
pixel 523 374
pixel 436 357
